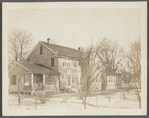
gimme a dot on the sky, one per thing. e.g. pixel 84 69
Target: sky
pixel 78 27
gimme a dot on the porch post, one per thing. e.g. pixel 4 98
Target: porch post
pixel 32 77
pixel 43 79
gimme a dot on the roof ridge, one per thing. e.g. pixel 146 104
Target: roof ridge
pixel 60 46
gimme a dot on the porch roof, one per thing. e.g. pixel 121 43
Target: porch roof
pixel 39 69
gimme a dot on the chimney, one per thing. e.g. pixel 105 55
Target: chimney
pixel 48 40
pixel 79 48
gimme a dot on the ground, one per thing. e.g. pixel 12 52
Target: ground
pixel 72 101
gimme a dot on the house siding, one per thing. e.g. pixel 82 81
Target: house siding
pixel 45 58
pixel 72 71
pixel 19 72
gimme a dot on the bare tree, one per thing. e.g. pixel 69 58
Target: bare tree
pixel 19 47
pixel 132 69
pixel 110 53
pixel 89 73
pixel 94 61
pixel 19 44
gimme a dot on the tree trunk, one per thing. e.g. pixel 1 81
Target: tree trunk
pixel 84 105
pixel 19 100
pixel 124 97
pixel 84 102
pixel 140 103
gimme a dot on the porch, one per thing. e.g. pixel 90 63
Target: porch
pixel 41 82
pixel 38 77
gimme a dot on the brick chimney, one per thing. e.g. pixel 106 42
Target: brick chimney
pixel 48 40
pixel 79 48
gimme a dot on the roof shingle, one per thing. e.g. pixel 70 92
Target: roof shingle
pixel 39 69
pixel 63 51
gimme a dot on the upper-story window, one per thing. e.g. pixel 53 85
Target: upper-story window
pixel 68 63
pixel 64 62
pixel 41 49
pixel 52 62
pixel 75 63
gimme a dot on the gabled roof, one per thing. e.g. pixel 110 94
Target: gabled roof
pixel 38 68
pixel 63 51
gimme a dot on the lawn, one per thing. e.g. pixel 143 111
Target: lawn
pixel 72 101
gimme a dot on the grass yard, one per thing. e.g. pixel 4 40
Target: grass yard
pixel 71 101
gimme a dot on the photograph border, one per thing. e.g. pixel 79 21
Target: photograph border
pixel 8 6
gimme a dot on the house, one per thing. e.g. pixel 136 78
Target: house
pixel 113 80
pixel 50 67
pixel 53 67
pixel 104 78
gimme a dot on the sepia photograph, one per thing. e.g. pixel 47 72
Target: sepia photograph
pixel 74 58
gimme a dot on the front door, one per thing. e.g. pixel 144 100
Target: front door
pixel 62 81
pixel 68 84
pixel 39 81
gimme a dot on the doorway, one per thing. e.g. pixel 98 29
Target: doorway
pixel 39 81
pixel 62 81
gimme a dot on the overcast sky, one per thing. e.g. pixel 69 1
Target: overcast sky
pixel 75 27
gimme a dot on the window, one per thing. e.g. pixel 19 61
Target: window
pixel 115 79
pixel 73 79
pixel 68 64
pixel 13 80
pixel 75 63
pixel 41 49
pixel 50 80
pixel 52 62
pixel 39 79
pixel 27 80
pixel 64 62
pixel 72 63
pixel 68 80
pixel 111 78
